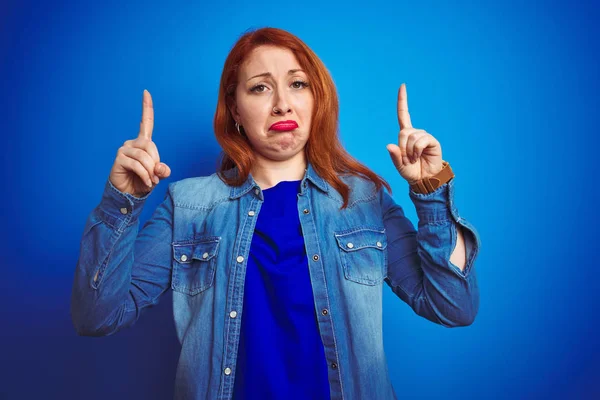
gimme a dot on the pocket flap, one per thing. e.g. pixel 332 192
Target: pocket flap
pixel 202 250
pixel 357 239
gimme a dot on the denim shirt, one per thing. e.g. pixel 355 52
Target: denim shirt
pixel 197 243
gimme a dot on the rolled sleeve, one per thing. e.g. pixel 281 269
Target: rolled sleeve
pixel 419 268
pixel 438 208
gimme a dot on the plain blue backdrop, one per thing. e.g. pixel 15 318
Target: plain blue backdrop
pixel 510 91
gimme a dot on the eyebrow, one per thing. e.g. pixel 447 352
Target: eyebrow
pixel 290 72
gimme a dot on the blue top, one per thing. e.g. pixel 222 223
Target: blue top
pixel 280 353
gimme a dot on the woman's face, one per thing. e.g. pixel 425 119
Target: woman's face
pixel 272 88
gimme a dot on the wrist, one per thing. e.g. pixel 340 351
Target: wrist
pixel 432 183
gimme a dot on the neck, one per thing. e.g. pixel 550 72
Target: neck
pixel 268 173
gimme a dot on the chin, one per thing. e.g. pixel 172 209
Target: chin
pixel 283 154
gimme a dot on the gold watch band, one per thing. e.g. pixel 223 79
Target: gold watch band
pixel 429 185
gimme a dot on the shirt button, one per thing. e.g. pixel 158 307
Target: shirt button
pixel 316 257
pixel 205 255
pixel 256 191
pixel 305 211
pixel 124 210
pixel 251 213
pixel 350 245
pixel 378 244
pixel 233 314
pixel 334 365
pixel 184 258
pixel 240 259
pixel 227 371
pixel 324 312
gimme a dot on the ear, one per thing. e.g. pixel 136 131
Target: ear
pixel 232 106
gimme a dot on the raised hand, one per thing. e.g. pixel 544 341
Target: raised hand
pixel 137 168
pixel 418 154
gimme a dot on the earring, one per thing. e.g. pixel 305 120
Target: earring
pixel 237 126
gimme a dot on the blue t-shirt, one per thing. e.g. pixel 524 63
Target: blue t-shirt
pixel 280 354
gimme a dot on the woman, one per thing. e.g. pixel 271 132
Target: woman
pixel 277 262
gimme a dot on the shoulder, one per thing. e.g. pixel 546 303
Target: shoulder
pixel 361 189
pixel 199 192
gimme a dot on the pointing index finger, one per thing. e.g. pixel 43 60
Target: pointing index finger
pixel 403 115
pixel 147 123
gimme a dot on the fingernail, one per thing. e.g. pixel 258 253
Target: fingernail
pixel 149 183
pixel 160 169
pixel 156 180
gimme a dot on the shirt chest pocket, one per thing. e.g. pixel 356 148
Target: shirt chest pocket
pixel 363 254
pixel 194 265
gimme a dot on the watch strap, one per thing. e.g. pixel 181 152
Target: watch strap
pixel 429 185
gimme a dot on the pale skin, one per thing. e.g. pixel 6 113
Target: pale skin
pixel 270 89
pixel 137 168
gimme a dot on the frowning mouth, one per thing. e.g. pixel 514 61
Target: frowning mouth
pixel 284 126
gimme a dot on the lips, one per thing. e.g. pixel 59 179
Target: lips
pixel 284 126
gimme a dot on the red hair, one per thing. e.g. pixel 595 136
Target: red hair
pixel 323 149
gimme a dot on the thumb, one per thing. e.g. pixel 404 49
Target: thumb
pixel 162 170
pixel 395 155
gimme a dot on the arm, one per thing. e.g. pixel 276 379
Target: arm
pixel 120 272
pixel 459 256
pixel 421 269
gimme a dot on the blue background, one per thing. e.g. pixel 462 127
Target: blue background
pixel 510 91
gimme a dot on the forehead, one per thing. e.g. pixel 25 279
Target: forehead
pixel 276 60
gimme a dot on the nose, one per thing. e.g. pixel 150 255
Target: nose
pixel 281 104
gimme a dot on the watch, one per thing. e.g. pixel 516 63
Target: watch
pixel 429 185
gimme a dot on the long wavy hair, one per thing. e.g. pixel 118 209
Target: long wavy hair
pixel 323 149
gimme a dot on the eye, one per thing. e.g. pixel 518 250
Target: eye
pixel 299 84
pixel 255 88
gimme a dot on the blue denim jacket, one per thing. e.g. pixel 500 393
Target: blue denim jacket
pixel 197 243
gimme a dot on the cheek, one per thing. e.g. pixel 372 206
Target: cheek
pixel 253 114
pixel 307 107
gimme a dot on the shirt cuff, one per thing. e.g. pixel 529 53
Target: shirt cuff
pixel 437 206
pixel 120 209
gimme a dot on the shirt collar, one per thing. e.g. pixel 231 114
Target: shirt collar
pixel 310 175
